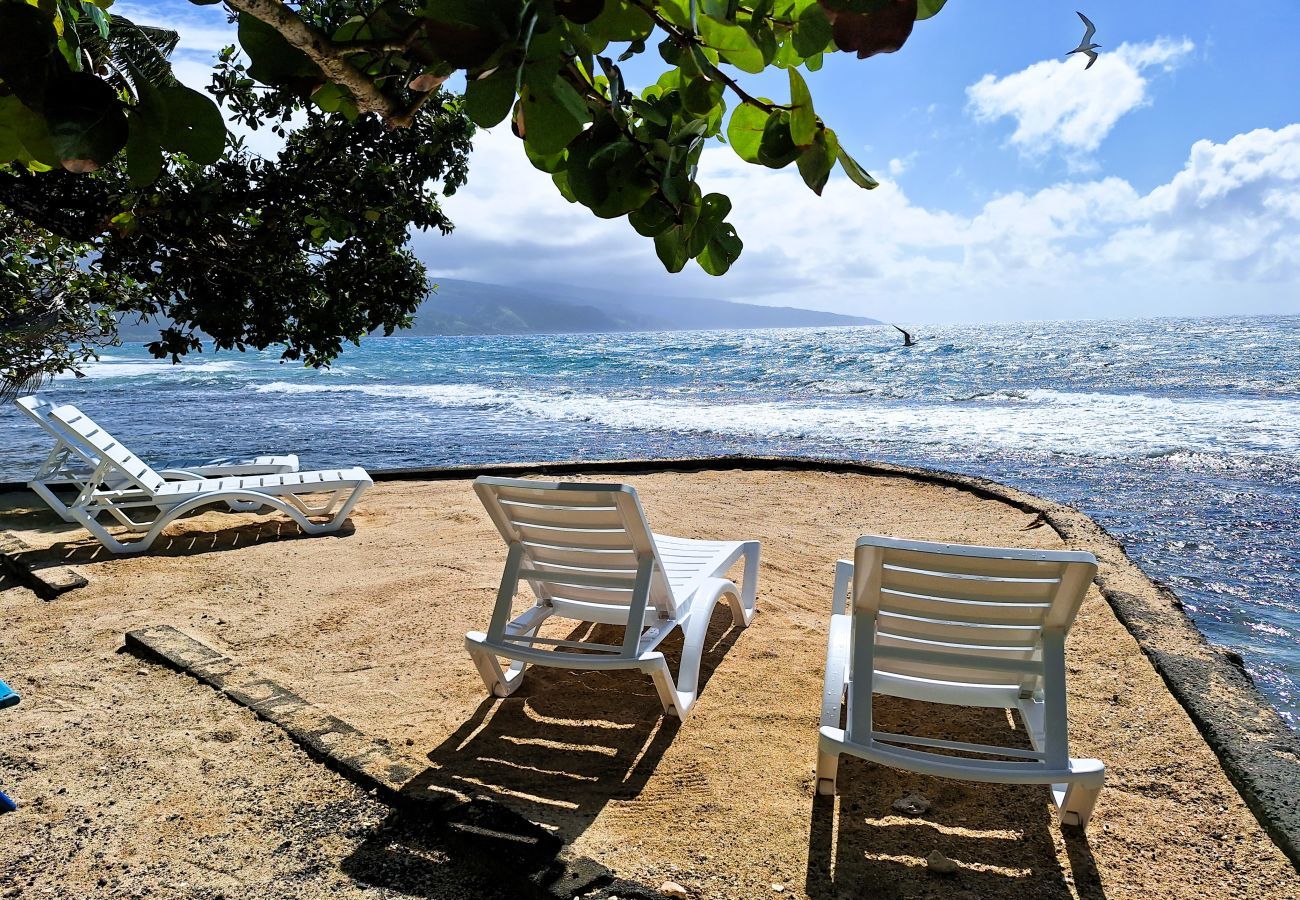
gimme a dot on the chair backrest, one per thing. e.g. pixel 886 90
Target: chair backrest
pixel 37 408
pixel 965 614
pixel 579 532
pixel 80 430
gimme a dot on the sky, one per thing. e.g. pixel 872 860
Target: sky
pixel 1015 185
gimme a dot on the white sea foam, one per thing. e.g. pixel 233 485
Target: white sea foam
pixel 125 367
pixel 1089 424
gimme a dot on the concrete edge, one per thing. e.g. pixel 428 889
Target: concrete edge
pixel 47 582
pixel 484 827
pixel 1257 750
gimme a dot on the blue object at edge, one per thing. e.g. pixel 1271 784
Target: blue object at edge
pixel 8 696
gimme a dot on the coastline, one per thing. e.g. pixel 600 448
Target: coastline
pixel 1245 734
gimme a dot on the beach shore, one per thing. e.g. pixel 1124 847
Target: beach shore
pixel 133 777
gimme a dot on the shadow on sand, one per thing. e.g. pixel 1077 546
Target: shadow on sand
pixel 75 547
pixel 555 754
pixel 1002 836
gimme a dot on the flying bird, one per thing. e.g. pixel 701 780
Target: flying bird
pixel 1086 46
pixel 907 338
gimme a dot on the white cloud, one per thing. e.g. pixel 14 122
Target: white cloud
pixel 1221 235
pixel 1057 105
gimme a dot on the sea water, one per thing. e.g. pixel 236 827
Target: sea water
pixel 1182 437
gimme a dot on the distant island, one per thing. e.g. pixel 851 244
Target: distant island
pixel 473 307
pixel 476 307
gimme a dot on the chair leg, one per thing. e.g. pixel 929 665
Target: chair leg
pixel 500 682
pixel 743 607
pixel 828 767
pixel 679 699
pixel 1078 803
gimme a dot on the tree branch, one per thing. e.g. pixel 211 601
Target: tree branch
pixel 331 57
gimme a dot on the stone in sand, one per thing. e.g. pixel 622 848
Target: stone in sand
pixel 913 805
pixel 673 889
pixel 940 864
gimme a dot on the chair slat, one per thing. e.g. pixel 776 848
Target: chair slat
pixel 958 632
pixel 542 497
pixel 607 596
pixel 995 567
pixel 582 558
pixel 1025 614
pixel 952 667
pixel 954 587
pixel 565 516
pixel 579 539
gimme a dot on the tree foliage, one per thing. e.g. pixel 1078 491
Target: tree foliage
pixel 55 313
pixel 306 250
pixel 552 68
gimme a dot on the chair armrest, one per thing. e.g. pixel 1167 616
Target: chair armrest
pixel 843 584
pixel 837 669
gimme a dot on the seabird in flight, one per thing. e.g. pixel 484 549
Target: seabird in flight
pixel 1086 46
pixel 907 338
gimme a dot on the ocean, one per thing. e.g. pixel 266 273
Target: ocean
pixel 1181 436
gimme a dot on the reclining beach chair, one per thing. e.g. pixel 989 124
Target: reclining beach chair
pixel 956 624
pixel 70 465
pixel 587 554
pixel 122 485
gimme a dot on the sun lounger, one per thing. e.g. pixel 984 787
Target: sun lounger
pixel 69 464
pixel 587 554
pixel 956 624
pixel 122 486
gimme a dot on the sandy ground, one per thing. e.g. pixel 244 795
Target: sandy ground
pixel 136 780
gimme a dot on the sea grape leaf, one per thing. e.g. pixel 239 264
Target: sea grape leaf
pixel 194 124
pixel 272 59
pixel 488 100
pixel 927 8
pixel 803 119
pixel 883 30
pixel 87 121
pixel 745 131
pixel 856 173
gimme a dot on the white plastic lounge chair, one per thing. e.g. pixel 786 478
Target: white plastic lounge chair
pixel 587 553
pixel 121 485
pixel 70 464
pixel 973 626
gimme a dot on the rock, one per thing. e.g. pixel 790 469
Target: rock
pixel 940 864
pixel 913 805
pixel 778 888
pixel 673 889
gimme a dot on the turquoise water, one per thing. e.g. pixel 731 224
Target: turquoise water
pixel 1182 437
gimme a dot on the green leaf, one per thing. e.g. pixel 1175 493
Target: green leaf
pixel 812 31
pixel 670 247
pixel 653 218
pixel 87 121
pixel 777 148
pixel 621 21
pixel 856 173
pixel 272 59
pixel 733 44
pixel 554 114
pixel 488 100
pixel 721 251
pixel 24 135
pixel 194 124
pixel 815 163
pixel 144 159
pixel 927 8
pixel 745 131
pixel 803 119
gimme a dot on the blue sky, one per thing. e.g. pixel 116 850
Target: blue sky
pixel 1163 181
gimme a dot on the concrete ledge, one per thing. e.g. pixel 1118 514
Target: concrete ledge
pixel 47 582
pixel 478 824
